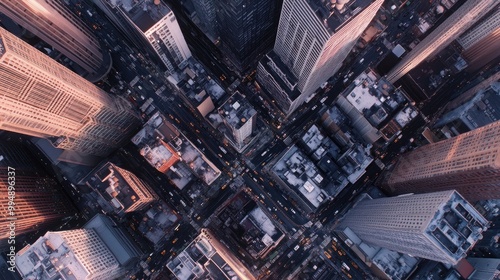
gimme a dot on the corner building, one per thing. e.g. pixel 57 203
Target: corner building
pixel 42 98
pixel 468 163
pixel 439 226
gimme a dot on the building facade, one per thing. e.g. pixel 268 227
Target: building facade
pixel 462 19
pixel 205 11
pixel 247 29
pixel 315 37
pixel 40 203
pixel 42 98
pixel 468 163
pixel 440 226
pixel 151 26
pixel 481 41
pixel 53 22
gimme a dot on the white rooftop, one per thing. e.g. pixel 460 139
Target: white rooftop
pixel 360 97
pixel 52 255
pixel 263 221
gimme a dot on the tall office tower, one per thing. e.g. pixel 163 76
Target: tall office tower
pixel 205 11
pixel 468 163
pixel 150 24
pixel 42 98
pixel 314 38
pixel 482 41
pixel 39 201
pixel 53 22
pixel 247 29
pixel 462 19
pixel 440 226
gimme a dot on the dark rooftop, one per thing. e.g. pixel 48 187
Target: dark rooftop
pixel 145 14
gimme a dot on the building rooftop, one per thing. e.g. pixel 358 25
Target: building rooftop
pixel 158 222
pixel 144 13
pixel 195 83
pixel 206 257
pixel 301 174
pixel 54 256
pixel 335 14
pixel 245 226
pixel 479 111
pixel 199 165
pixel 167 149
pixel 237 111
pixel 456 226
pixel 119 187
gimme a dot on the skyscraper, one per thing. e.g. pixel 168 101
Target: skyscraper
pixel 482 41
pixel 468 163
pixel 150 25
pixel 440 226
pixel 39 201
pixel 462 19
pixel 42 98
pixel 247 28
pixel 314 38
pixel 205 11
pixel 53 22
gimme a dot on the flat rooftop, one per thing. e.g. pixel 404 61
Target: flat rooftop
pixel 237 111
pixel 145 13
pixel 115 186
pixel 207 258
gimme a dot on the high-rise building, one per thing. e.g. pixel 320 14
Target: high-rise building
pixel 440 226
pixel 53 22
pixel 482 41
pixel 120 188
pixel 240 117
pixel 42 98
pixel 37 200
pixel 481 109
pixel 205 11
pixel 468 163
pixel 151 25
pixel 314 37
pixel 458 22
pixel 247 28
pixel 485 268
pixel 100 250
